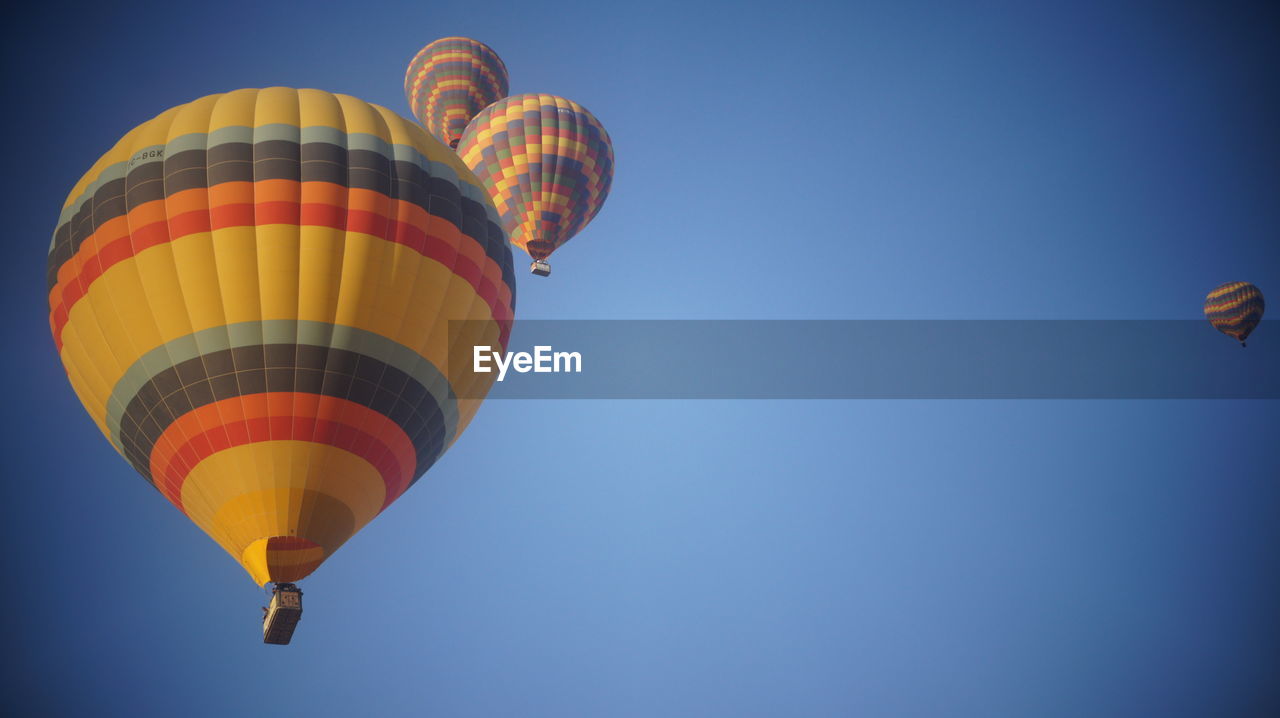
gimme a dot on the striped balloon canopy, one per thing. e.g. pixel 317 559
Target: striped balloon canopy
pixel 250 294
pixel 1235 308
pixel 449 81
pixel 546 161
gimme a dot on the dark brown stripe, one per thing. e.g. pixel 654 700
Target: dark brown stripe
pixel 298 368
pixel 280 159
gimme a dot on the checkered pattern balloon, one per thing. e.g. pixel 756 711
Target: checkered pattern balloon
pixel 547 163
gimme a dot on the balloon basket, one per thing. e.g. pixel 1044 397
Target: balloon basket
pixel 282 616
pixel 540 268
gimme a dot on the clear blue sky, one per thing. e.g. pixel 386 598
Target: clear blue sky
pixel 896 160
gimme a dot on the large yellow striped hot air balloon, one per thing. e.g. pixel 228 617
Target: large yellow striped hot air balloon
pixel 250 294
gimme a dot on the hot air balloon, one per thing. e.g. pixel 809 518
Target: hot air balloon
pixel 1235 308
pixel 547 162
pixel 250 294
pixel 449 81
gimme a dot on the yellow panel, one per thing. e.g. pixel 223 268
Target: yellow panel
pixel 236 259
pixel 321 109
pixel 90 366
pixel 319 271
pixel 425 301
pixel 193 117
pixel 237 508
pixel 361 260
pixel 109 320
pixel 394 288
pixel 391 306
pixel 276 105
pixel 277 248
pixel 162 302
pixel 193 257
pixel 362 118
pixel 233 109
pixel 89 386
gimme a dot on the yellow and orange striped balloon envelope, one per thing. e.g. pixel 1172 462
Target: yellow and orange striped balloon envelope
pixel 449 81
pixel 1235 308
pixel 251 293
pixel 548 164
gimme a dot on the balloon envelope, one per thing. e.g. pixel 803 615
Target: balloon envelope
pixel 449 81
pixel 1235 308
pixel 548 164
pixel 250 295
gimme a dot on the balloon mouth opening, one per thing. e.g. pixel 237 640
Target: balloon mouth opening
pixel 281 559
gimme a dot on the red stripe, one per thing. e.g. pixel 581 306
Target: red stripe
pixel 320 431
pixel 225 216
pixel 290 543
pixel 238 421
pixel 194 222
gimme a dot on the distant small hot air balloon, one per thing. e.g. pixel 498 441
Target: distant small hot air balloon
pixel 251 295
pixel 449 81
pixel 547 163
pixel 1235 308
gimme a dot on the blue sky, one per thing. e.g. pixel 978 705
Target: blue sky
pixel 906 160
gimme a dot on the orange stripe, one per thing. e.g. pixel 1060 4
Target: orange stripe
pixel 1230 304
pixel 282 415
